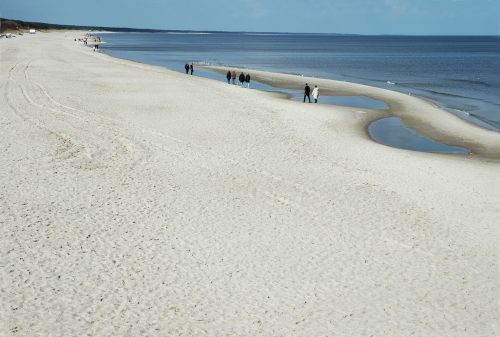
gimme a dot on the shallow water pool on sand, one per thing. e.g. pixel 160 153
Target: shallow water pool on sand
pixel 361 102
pixel 393 132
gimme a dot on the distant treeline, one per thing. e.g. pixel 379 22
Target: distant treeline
pixel 9 24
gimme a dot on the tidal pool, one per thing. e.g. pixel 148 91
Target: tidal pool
pixel 393 132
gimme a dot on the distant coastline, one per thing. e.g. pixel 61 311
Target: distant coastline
pixel 43 25
pixel 11 24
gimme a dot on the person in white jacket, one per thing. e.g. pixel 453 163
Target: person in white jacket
pixel 315 94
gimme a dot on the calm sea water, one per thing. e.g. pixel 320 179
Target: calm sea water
pixel 459 73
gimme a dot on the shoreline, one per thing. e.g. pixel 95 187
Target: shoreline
pixel 470 118
pixel 483 141
pixel 485 144
pixel 436 123
pixel 140 201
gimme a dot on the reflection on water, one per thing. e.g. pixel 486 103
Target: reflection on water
pixel 361 102
pixel 391 131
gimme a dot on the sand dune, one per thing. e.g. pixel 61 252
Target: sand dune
pixel 137 201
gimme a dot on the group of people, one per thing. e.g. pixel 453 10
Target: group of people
pixel 95 40
pixel 307 93
pixel 245 80
pixel 231 78
pixel 189 68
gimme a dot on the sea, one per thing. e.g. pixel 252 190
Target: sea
pixel 459 73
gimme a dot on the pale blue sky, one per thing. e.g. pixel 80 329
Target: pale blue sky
pixel 423 17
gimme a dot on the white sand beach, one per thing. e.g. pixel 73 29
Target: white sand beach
pixel 138 201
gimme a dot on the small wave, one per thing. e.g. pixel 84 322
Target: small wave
pixel 493 125
pixel 463 112
pixel 477 119
pixel 476 82
pixel 390 83
pixel 348 76
pixel 188 33
pixel 448 94
pixel 219 64
pixel 264 34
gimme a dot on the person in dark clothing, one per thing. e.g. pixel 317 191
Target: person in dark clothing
pixel 247 80
pixel 307 93
pixel 186 66
pixel 191 68
pixel 242 79
pixel 228 76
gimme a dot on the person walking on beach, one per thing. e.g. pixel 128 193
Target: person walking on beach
pixel 191 68
pixel 247 80
pixel 242 79
pixel 315 93
pixel 186 66
pixel 307 93
pixel 228 76
pixel 233 76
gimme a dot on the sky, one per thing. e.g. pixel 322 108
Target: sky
pixel 405 17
